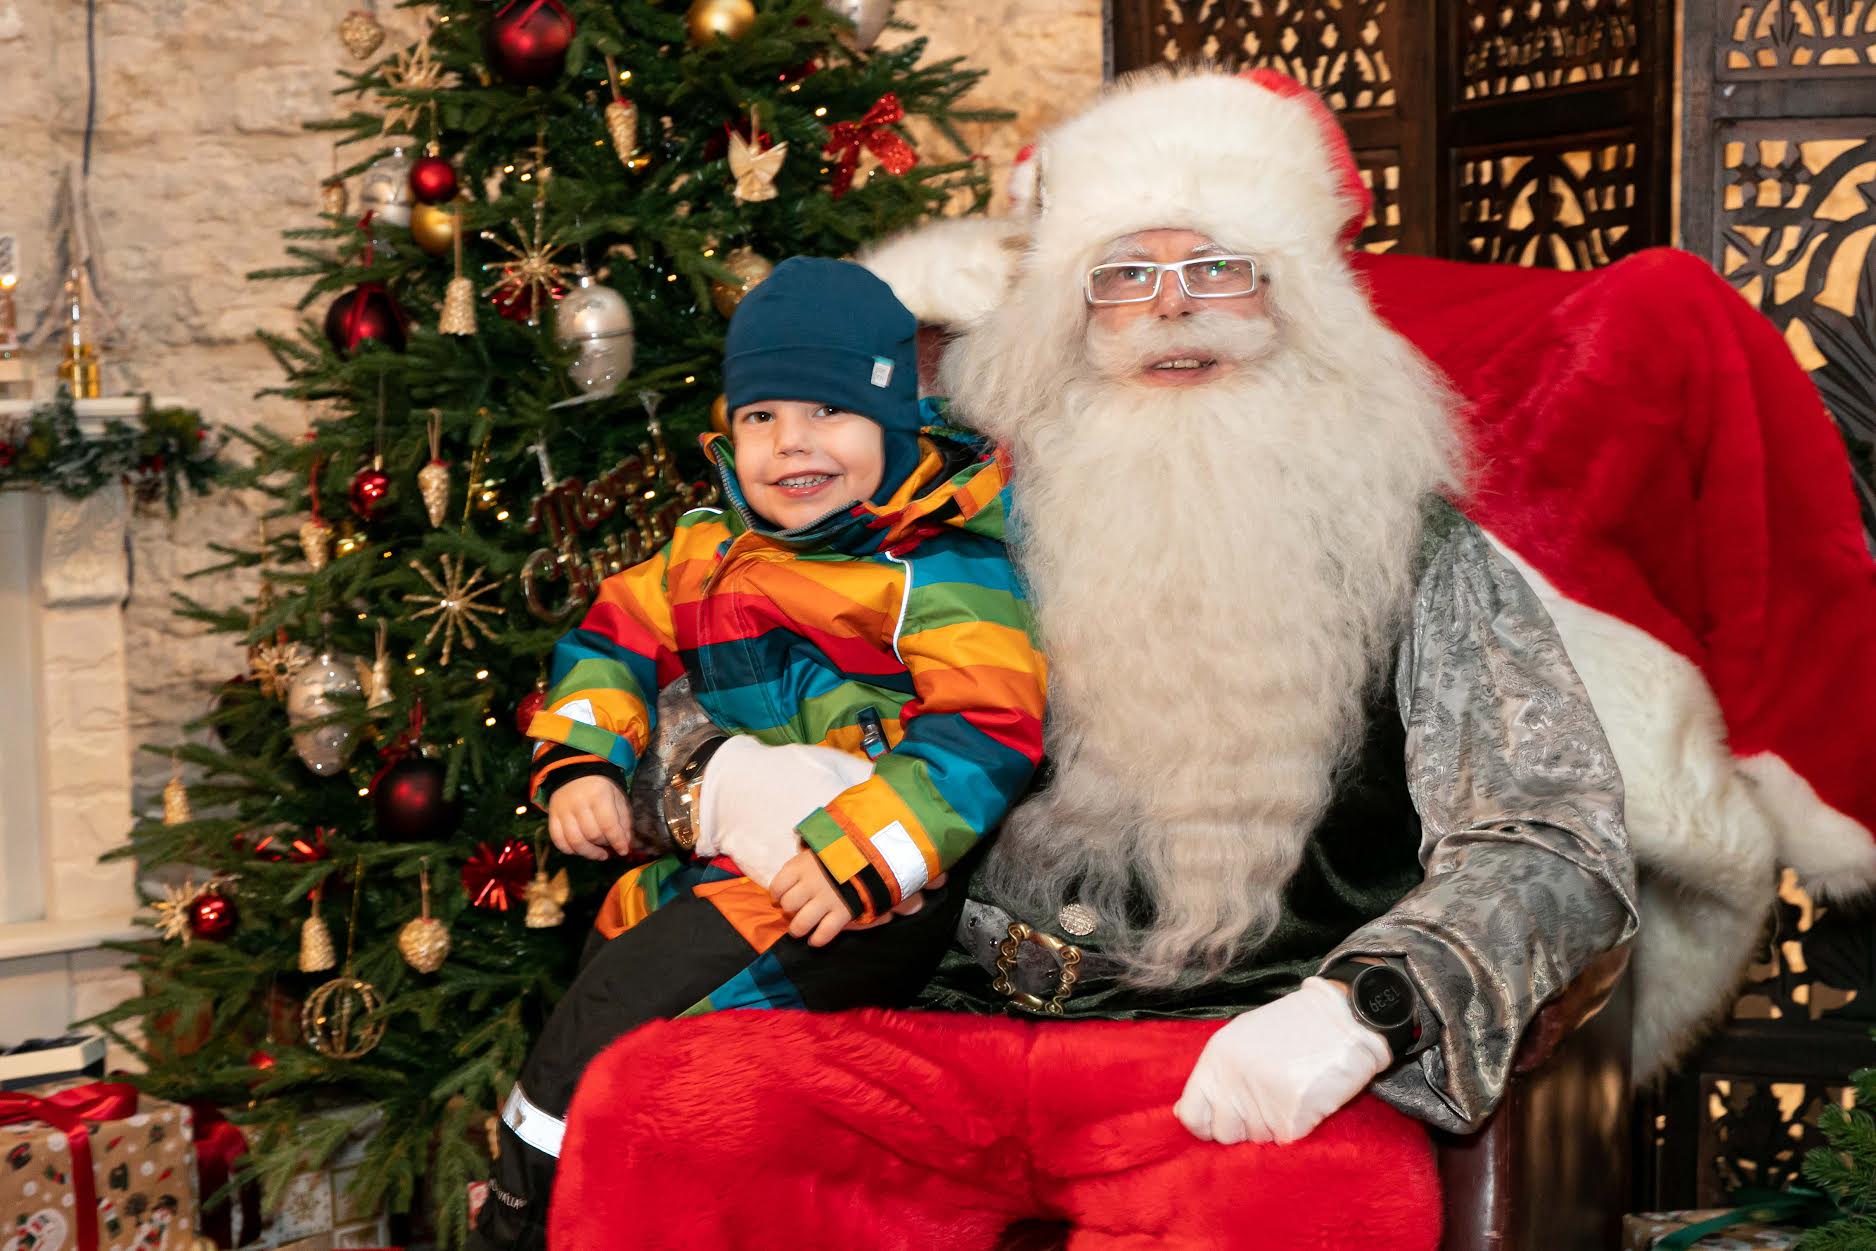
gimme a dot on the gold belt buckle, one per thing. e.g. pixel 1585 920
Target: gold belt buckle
pixel 1067 959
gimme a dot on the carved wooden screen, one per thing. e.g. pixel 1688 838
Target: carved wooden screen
pixel 1778 190
pixel 1535 134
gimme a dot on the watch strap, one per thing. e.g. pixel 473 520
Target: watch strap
pixel 1400 1029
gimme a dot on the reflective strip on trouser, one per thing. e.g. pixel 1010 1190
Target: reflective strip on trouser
pixel 537 1128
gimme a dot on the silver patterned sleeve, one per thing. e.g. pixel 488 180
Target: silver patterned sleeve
pixel 1528 871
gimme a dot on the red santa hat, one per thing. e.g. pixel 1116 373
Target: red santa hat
pixel 1254 160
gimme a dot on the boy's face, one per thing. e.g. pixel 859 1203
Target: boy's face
pixel 798 461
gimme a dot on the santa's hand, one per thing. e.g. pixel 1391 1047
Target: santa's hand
pixel 754 796
pixel 1276 1072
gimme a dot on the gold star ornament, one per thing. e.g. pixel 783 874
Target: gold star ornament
pixel 454 603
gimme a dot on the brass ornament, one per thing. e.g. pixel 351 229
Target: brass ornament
pixel 750 267
pixel 334 199
pixel 349 542
pixel 337 1019
pixel 708 19
pixel 361 34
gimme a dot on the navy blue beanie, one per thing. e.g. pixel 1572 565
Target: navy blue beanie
pixel 829 332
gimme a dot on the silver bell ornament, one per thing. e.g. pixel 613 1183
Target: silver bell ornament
pixel 312 695
pixel 595 319
pixel 868 17
pixel 384 189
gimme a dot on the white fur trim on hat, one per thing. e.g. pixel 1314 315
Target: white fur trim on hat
pixel 948 272
pixel 1254 162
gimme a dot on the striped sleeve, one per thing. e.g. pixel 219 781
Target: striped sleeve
pixel 603 694
pixel 972 736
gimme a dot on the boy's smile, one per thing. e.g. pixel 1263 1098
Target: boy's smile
pixel 798 461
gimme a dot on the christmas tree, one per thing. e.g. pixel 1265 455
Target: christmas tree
pixel 510 347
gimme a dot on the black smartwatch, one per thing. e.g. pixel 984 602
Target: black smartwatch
pixel 1383 998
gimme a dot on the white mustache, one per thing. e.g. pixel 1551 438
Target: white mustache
pixel 1221 337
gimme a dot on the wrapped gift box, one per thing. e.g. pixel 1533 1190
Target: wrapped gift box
pixel 39 1061
pixel 135 1191
pixel 1642 1230
pixel 317 1211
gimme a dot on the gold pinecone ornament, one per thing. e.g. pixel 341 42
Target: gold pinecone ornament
pixel 424 940
pixel 433 478
pixel 317 954
pixel 176 801
pixel 316 542
pixel 361 34
pixel 333 197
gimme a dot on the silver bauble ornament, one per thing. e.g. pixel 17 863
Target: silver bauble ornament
pixel 384 189
pixel 868 18
pixel 596 320
pixel 311 696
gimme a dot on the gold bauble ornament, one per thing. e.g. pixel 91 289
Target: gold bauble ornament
pixel 349 541
pixel 424 940
pixel 707 19
pixel 748 265
pixel 433 227
pixel 622 125
pixel 424 943
pixel 316 542
pixel 459 308
pixel 360 33
pixel 336 1019
pixel 333 198
pixel 720 414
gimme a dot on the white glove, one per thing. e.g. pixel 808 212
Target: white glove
pixel 754 796
pixel 1276 1072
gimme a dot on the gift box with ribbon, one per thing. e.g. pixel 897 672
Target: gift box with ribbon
pixel 95 1168
pixel 1647 1231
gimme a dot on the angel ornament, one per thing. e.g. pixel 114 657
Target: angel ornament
pixel 753 166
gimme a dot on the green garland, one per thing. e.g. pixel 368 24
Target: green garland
pixel 167 449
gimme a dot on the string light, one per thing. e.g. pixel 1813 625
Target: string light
pixel 522 811
pixel 502 515
pixel 489 721
pixel 482 674
pixel 363 791
pixel 418 671
pixel 821 112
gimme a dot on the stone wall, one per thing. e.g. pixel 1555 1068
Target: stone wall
pixel 199 161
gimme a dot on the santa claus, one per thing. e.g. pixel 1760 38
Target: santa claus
pixel 1330 815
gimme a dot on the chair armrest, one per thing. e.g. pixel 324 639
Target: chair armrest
pixel 1580 1001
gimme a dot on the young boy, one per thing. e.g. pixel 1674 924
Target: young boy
pixel 853 604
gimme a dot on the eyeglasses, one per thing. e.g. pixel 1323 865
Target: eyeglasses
pixel 1202 278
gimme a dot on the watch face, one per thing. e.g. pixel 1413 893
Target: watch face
pixel 1383 996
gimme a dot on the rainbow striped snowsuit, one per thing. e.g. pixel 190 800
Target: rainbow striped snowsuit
pixel 902 622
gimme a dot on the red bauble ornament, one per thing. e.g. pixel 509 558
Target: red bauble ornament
pixel 365 313
pixel 530 704
pixel 371 486
pixel 433 180
pixel 496 879
pixel 526 42
pixel 517 306
pixel 410 804
pixel 212 916
pixel 260 1060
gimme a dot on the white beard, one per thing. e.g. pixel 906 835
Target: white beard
pixel 1219 573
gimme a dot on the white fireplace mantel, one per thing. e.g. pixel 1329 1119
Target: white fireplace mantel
pixel 65 748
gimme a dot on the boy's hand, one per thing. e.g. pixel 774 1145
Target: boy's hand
pixel 802 889
pixel 589 815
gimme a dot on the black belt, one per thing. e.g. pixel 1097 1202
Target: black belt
pixel 1034 969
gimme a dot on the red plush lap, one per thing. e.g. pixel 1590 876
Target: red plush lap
pixel 761 1129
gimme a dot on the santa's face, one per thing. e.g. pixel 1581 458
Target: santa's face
pixel 1174 338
